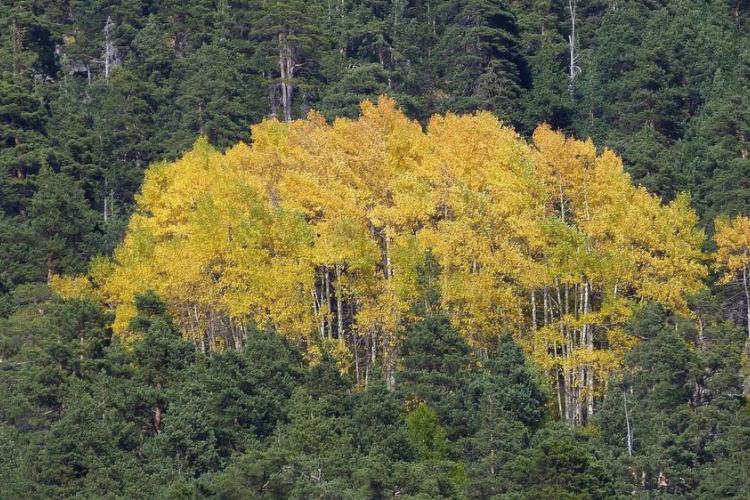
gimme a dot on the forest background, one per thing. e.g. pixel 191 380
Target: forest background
pixel 93 92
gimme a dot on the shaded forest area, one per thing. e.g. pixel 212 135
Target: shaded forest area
pixel 92 93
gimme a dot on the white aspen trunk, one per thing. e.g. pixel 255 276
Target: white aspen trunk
pixel 282 73
pixel 286 71
pixel 562 198
pixel 557 385
pixel 317 306
pixel 569 373
pixel 747 298
pixel 106 186
pixel 388 361
pixel 533 310
pixel 197 324
pixel 355 345
pixel 198 331
pixel 210 333
pixel 547 318
pixel 339 304
pixel 387 244
pixel 236 337
pixel 110 56
pixel 289 86
pixel 327 309
pixel 589 339
pixel 629 435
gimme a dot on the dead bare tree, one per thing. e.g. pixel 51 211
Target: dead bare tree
pixel 111 57
pixel 573 68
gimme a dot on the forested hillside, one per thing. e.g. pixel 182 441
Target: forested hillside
pixel 365 249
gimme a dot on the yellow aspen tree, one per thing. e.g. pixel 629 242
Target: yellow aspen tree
pixel 610 244
pixel 733 254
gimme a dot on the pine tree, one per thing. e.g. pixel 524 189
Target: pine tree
pixel 479 59
pixel 63 225
pixel 289 37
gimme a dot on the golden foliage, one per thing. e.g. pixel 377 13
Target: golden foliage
pixel 318 228
pixel 733 246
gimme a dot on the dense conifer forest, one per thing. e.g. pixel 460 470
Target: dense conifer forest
pixel 375 249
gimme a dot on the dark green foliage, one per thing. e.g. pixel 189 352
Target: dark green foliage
pixel 425 433
pixel 685 410
pixel 560 463
pixel 25 147
pixel 226 401
pixel 646 90
pixel 715 156
pixel 435 362
pixel 85 416
pixel 162 352
pixel 62 224
pixel 478 59
pixel 505 405
pixel 508 385
pixel 544 44
pixel 219 96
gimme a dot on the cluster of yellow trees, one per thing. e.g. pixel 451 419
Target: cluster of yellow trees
pixel 325 231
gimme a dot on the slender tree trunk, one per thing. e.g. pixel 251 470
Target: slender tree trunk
pixel 286 71
pixel 157 412
pixel 110 56
pixel 589 339
pixel 157 420
pixel 747 298
pixel 629 436
pixel 339 303
pixel 388 358
pixel 290 88
pixel 355 346
pixel 573 68
pixel 211 333
pixel 557 385
pixel 106 186
pixel 327 309
pixel 318 308
pixel 565 347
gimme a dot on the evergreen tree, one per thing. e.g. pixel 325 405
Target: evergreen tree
pixel 288 36
pixel 715 157
pixel 62 224
pixel 435 361
pixel 478 57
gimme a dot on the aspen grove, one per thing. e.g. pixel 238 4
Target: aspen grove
pixel 336 233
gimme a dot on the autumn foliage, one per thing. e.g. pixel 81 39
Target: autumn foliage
pixel 337 234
